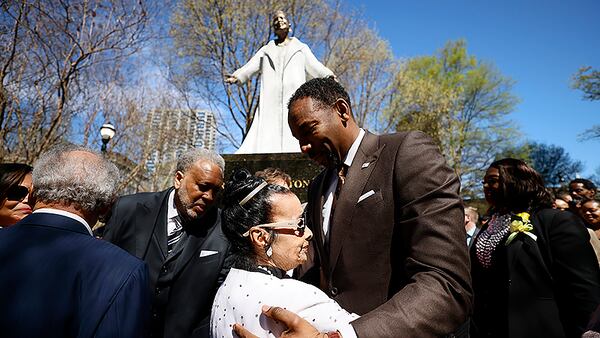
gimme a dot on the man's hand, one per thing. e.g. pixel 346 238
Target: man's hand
pixel 297 327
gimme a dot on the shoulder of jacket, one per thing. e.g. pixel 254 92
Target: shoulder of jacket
pixel 547 214
pixel 403 135
pixel 106 253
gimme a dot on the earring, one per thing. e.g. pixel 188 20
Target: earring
pixel 270 251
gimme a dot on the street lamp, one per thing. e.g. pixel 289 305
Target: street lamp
pixel 107 131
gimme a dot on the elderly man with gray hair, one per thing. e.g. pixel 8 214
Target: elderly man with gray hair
pixel 57 279
pixel 471 219
pixel 177 232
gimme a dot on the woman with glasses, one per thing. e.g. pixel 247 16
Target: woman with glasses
pixel 264 223
pixel 15 185
pixel 534 272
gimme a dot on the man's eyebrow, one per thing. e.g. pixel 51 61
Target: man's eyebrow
pixel 308 124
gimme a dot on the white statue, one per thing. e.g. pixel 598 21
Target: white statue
pixel 283 64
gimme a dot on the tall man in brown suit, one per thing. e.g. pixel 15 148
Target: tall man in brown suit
pixel 387 221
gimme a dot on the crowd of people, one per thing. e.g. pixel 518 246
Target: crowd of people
pixel 384 246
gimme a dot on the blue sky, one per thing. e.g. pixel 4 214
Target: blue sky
pixel 538 43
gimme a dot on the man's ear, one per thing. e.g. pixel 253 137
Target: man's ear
pixel 177 179
pixel 343 110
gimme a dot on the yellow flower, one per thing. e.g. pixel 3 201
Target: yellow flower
pixel 520 225
pixel 524 216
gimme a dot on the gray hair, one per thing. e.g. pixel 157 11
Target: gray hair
pixel 88 183
pixel 191 156
pixel 472 213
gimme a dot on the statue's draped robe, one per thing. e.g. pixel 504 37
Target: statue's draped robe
pixel 283 68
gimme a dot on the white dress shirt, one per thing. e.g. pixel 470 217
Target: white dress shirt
pixel 334 181
pixel 470 235
pixel 172 214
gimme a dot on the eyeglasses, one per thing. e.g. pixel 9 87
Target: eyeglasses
pixel 491 180
pixel 17 193
pixel 295 224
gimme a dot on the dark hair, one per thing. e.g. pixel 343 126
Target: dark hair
pixel 325 91
pixel 589 185
pixel 273 174
pixel 522 188
pixel 586 200
pixel 237 219
pixel 11 175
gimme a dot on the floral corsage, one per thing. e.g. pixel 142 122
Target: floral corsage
pixel 520 224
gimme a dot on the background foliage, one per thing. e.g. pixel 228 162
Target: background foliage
pixel 67 67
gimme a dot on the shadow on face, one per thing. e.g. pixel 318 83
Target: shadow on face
pixel 197 189
pixel 317 129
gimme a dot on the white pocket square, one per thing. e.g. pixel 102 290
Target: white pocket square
pixel 205 253
pixel 366 195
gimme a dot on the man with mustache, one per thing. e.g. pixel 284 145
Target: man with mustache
pixel 177 232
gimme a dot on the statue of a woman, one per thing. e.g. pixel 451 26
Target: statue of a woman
pixel 283 64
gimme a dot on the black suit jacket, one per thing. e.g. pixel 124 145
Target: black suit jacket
pixel 398 257
pixel 552 284
pixel 184 282
pixel 57 280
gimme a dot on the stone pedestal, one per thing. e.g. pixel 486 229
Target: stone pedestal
pixel 297 165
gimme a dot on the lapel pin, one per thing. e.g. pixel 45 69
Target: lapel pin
pixel 364 165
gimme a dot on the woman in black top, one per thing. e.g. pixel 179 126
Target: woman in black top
pixel 534 271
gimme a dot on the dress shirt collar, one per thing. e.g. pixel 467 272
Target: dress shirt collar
pixel 471 231
pixel 354 148
pixel 171 208
pixel 66 214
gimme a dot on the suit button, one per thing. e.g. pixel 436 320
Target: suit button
pixel 164 270
pixel 333 291
pixel 157 290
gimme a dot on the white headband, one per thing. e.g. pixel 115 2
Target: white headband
pixel 253 192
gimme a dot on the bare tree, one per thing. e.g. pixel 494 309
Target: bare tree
pixel 53 49
pixel 217 37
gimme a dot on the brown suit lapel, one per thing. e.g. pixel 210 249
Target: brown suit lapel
pixel 358 174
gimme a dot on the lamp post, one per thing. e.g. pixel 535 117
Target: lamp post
pixel 107 131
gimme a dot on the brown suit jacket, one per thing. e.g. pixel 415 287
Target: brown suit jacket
pixel 397 257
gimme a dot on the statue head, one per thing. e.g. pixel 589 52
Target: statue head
pixel 281 25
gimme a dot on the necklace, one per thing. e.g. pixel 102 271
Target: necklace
pixel 488 239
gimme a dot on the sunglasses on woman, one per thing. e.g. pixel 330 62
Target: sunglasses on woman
pixel 17 193
pixel 295 224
